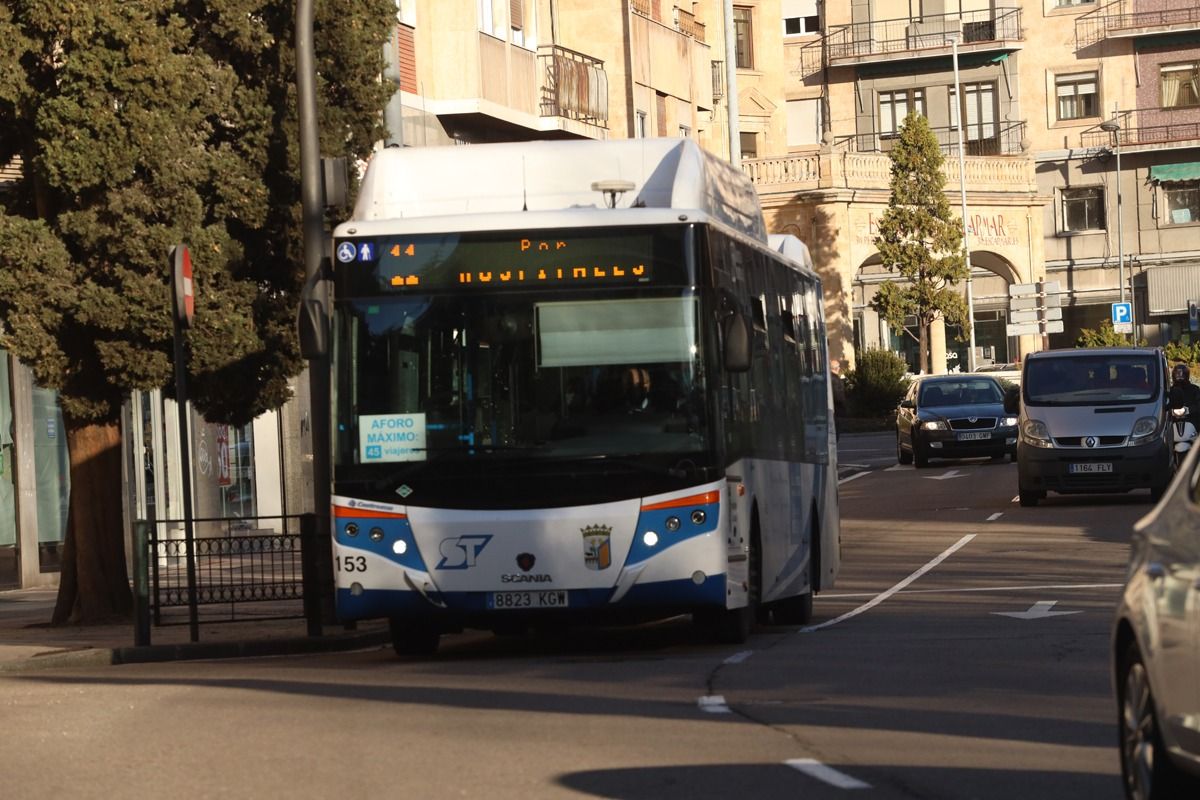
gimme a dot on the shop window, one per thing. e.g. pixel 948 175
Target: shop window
pixel 1182 201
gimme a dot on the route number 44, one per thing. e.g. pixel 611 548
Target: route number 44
pixel 351 563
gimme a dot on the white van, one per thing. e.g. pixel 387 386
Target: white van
pixel 1092 420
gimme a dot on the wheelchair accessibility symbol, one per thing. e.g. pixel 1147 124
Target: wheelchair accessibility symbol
pixel 346 252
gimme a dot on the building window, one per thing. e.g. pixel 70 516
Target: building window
pixel 1182 199
pixel 1083 209
pixel 640 132
pixel 743 34
pixel 1076 95
pixel 1069 3
pixel 803 122
pixel 895 106
pixel 684 131
pixel 749 144
pixel 800 17
pixel 1180 85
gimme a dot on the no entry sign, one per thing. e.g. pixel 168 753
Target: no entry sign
pixel 185 298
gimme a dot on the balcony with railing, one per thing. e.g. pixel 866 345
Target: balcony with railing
pixel 1125 19
pixel 642 7
pixel 573 86
pixel 718 80
pixel 687 24
pixel 848 170
pixel 995 139
pixel 1149 129
pixel 923 37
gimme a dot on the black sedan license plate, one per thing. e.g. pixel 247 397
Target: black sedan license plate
pixel 1089 468
pixel 970 437
pixel 503 601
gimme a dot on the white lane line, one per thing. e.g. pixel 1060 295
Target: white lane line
pixel 1016 499
pixel 713 704
pixel 995 516
pixel 896 467
pixel 949 551
pixel 825 774
pixel 1058 587
pixel 853 477
pixel 738 658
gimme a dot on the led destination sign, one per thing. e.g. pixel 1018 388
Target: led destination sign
pixel 488 261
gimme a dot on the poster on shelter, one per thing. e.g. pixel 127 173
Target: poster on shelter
pixel 224 471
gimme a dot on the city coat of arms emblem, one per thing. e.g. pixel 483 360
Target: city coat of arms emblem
pixel 597 546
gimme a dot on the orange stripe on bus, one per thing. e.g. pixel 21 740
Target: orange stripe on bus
pixel 365 513
pixel 694 500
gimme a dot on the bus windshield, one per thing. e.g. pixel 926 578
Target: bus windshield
pixel 534 379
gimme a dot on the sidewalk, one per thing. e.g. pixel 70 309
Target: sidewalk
pixel 28 642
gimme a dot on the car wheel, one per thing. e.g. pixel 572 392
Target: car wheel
pixel 1029 497
pixel 920 457
pixel 902 456
pixel 1145 765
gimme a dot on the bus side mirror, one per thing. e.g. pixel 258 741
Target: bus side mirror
pixel 312 323
pixel 737 343
pixel 1012 400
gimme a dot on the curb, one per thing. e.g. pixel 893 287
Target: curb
pixel 193 651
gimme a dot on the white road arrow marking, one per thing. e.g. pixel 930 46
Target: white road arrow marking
pixel 826 774
pixel 1039 610
pixel 951 474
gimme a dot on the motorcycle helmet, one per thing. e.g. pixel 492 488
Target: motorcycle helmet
pixel 1180 373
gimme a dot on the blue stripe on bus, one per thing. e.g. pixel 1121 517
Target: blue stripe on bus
pixel 394 530
pixel 685 592
pixel 656 521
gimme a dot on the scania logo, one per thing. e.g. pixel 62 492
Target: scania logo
pixel 526 561
pixel 1090 441
pixel 518 578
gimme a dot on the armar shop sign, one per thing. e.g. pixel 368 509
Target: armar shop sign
pixel 983 230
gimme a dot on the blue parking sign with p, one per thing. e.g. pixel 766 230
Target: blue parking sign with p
pixel 1122 313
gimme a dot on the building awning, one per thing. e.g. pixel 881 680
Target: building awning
pixel 1168 289
pixel 1187 171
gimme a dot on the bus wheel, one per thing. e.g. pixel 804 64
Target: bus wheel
pixel 411 638
pixel 798 609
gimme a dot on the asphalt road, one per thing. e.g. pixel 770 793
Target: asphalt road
pixel 909 684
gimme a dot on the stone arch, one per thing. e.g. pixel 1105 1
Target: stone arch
pixel 990 292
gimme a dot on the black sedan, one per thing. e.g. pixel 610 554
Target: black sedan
pixel 954 416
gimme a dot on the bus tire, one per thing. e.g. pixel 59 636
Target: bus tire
pixel 798 609
pixel 411 638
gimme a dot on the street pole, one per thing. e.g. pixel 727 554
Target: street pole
pixel 313 220
pixel 1114 127
pixel 731 99
pixel 962 192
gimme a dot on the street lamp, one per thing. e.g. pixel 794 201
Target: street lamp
pixel 962 192
pixel 1114 127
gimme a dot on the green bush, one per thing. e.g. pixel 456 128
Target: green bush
pixel 875 386
pixel 1105 336
pixel 1178 351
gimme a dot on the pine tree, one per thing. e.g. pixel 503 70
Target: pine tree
pixel 141 125
pixel 920 240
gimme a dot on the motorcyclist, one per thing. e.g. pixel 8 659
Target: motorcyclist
pixel 1185 393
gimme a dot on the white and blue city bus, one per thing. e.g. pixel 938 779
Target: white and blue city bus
pixel 575 381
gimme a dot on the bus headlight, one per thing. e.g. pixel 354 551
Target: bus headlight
pixel 376 534
pixel 698 516
pixel 351 529
pixel 672 524
pixel 650 538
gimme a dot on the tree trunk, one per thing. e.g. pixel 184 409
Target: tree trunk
pixel 923 348
pixel 94 584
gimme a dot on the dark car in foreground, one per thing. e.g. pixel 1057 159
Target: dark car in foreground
pixel 1156 647
pixel 954 416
